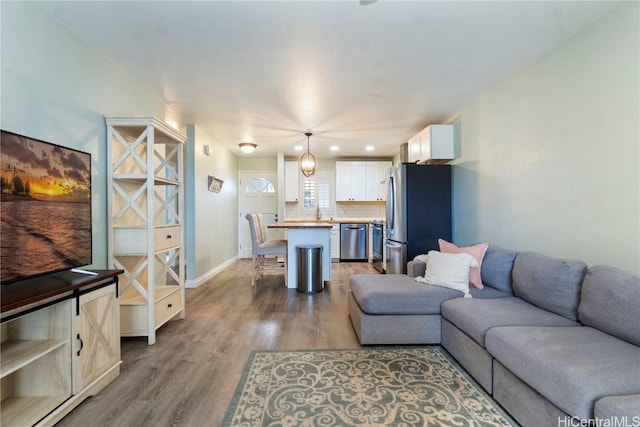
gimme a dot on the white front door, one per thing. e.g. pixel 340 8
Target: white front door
pixel 257 194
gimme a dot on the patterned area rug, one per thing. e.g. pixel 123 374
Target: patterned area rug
pixel 368 387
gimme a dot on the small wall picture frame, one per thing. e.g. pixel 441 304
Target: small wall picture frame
pixel 214 184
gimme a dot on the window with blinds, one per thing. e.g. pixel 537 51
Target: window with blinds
pixel 318 191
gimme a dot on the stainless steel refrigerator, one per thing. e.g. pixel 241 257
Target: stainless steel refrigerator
pixel 418 212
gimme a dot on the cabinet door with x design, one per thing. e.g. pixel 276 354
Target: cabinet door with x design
pixel 96 335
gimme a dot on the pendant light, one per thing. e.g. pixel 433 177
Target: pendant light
pixel 308 161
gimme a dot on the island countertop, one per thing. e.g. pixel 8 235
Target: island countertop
pixel 287 224
pixel 336 221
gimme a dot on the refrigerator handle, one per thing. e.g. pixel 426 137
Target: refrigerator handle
pixel 391 198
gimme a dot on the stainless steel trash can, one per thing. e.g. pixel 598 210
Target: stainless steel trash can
pixel 309 268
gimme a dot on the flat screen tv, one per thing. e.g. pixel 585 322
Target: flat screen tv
pixel 45 208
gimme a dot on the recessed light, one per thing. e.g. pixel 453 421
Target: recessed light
pixel 334 148
pixel 298 148
pixel 370 148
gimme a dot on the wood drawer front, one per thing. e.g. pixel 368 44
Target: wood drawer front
pixel 133 240
pixel 167 307
pixel 167 237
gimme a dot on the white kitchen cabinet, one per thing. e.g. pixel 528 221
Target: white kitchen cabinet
pixel 291 181
pixel 376 180
pixel 433 145
pixel 146 220
pixel 335 242
pixel 414 148
pixel 343 181
pixel 351 184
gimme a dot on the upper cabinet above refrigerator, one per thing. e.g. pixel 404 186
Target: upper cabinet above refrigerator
pixel 433 145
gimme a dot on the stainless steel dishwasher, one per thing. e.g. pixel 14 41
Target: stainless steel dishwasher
pixel 353 242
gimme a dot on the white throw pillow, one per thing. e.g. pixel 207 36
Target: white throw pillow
pixel 449 270
pixel 422 258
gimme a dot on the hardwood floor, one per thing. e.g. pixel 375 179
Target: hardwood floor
pixel 188 377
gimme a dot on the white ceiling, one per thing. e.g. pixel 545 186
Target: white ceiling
pixel 354 74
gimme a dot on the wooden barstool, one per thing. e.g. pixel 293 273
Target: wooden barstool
pixel 265 252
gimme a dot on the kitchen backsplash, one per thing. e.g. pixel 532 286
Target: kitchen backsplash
pixel 339 210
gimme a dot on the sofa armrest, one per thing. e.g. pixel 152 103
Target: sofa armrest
pixel 416 268
pixel 617 408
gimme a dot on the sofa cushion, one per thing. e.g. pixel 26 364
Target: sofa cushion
pixel 397 294
pixel 401 294
pixel 476 316
pixel 614 408
pixel 487 292
pixel 416 268
pixel 572 367
pixel 497 266
pixel 550 283
pixel 611 302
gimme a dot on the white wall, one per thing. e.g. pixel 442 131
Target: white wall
pixel 550 158
pixel 211 229
pixel 254 163
pixel 56 88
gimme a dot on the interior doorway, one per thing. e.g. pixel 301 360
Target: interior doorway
pixel 257 193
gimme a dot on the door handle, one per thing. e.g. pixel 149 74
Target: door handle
pixel 81 344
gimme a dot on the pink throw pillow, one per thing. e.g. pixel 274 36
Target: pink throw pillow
pixel 476 251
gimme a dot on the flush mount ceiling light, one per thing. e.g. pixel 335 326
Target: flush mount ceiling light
pixel 247 147
pixel 308 161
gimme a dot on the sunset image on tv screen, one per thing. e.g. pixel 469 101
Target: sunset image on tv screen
pixel 46 207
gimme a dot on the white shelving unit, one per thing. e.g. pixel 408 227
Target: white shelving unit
pixel 146 228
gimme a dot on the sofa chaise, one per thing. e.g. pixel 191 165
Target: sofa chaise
pixel 393 309
pixel 550 339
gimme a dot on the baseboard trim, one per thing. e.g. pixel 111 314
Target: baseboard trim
pixel 194 283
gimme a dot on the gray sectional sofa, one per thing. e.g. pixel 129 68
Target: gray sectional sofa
pixel 554 342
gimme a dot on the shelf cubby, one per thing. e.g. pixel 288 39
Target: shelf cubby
pixel 35 364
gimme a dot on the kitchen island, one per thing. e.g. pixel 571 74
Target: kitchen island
pixel 306 233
